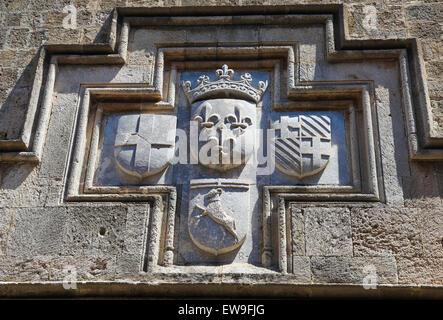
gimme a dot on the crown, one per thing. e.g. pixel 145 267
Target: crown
pixel 224 87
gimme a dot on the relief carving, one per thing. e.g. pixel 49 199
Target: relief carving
pixel 216 224
pixel 144 144
pixel 226 112
pixel 226 132
pixel 302 144
pixel 225 87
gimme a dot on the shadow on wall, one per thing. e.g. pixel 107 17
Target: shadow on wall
pixel 14 105
pixel 15 93
pixel 13 109
pixel 13 175
pixel 426 181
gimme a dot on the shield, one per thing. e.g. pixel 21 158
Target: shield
pixel 218 220
pixel 302 144
pixel 226 132
pixel 144 143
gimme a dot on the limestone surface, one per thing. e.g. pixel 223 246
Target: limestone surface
pixel 173 148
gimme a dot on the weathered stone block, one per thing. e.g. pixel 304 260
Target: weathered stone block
pixel 430 221
pixel 422 12
pixel 94 230
pixel 420 270
pixel 432 50
pixel 8 58
pixel 2 38
pixel 8 77
pixel 13 19
pixel 435 89
pixel 18 38
pixel 86 267
pixel 131 258
pixel 353 269
pixel 328 232
pixel 32 19
pixel 59 136
pixel 391 19
pixel 421 183
pixel 37 231
pixel 379 232
pixel 22 187
pixel 7 217
pixel 61 35
pixel 37 38
pixel 24 58
pixel 11 5
pixel 425 30
pixel 434 70
pixel 301 268
pixel 21 269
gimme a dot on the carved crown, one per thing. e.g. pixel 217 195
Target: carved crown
pixel 224 87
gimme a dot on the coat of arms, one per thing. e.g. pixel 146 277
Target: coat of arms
pixel 144 143
pixel 218 216
pixel 226 114
pixel 302 144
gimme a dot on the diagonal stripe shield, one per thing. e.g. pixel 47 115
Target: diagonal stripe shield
pixel 302 144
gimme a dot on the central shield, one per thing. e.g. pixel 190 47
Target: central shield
pixel 226 132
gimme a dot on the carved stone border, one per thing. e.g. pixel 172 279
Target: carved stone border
pixel 162 199
pixel 276 197
pixel 360 92
pixel 361 143
pixel 424 144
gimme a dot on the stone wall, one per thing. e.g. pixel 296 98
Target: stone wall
pixel 26 25
pixel 40 235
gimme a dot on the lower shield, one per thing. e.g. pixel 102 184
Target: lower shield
pixel 218 216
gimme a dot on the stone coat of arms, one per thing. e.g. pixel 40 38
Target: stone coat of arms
pixel 225 112
pixel 144 143
pixel 302 144
pixel 215 223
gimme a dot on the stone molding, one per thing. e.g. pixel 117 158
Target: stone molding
pixel 424 144
pixel 276 267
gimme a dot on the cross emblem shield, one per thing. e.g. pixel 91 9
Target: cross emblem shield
pixel 144 143
pixel 302 144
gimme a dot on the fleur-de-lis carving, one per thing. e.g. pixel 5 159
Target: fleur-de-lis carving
pixel 203 79
pixel 236 121
pixel 247 77
pixel 262 86
pixel 225 72
pixel 210 119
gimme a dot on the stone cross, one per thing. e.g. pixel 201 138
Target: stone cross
pixel 146 137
